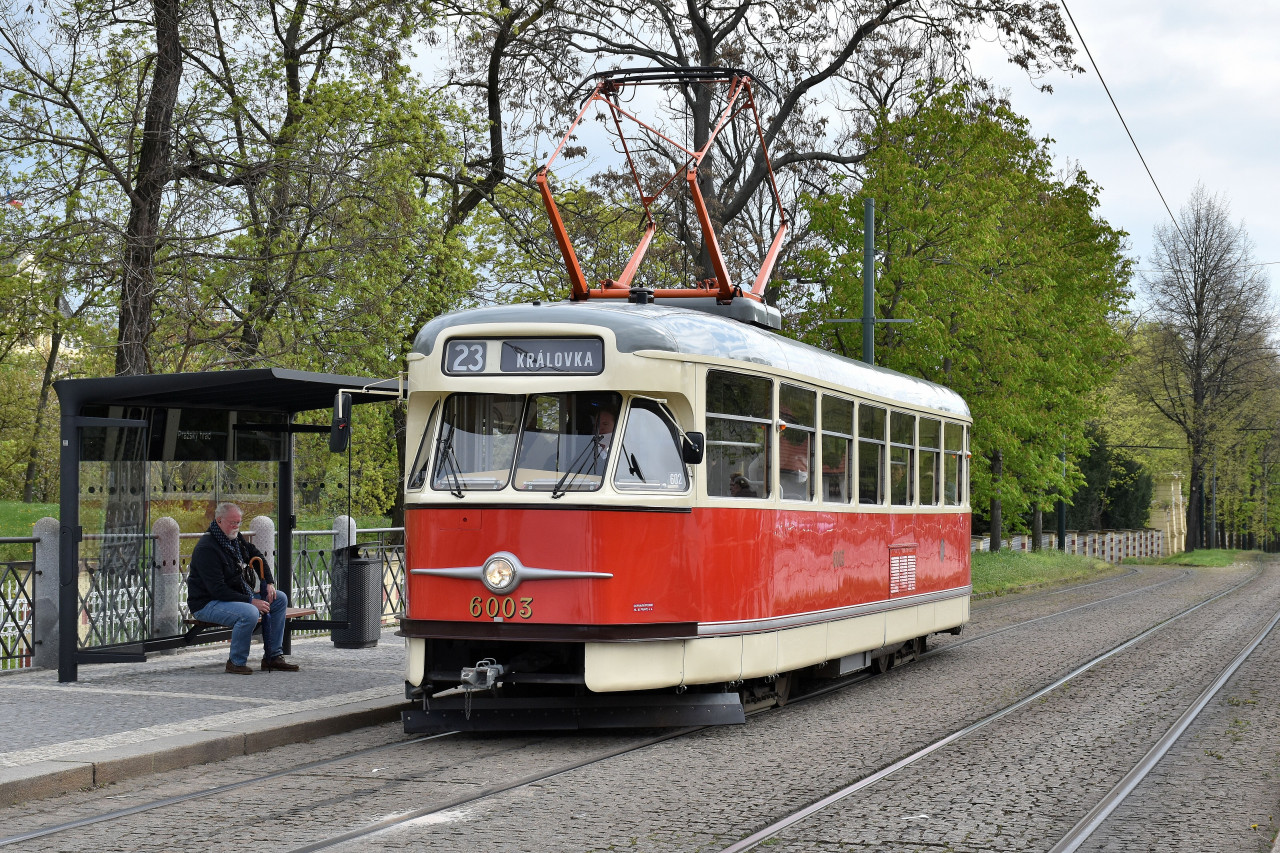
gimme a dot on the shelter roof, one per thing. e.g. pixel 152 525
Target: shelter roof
pixel 271 389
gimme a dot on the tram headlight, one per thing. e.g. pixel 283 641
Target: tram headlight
pixel 499 574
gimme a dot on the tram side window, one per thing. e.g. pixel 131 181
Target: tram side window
pixel 902 440
pixel 477 441
pixel 930 459
pixel 650 457
pixel 871 453
pixel 566 441
pixel 796 408
pixel 739 413
pixel 837 449
pixel 953 464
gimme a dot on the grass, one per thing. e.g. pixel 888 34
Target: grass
pixel 1009 571
pixel 1216 557
pixel 16 517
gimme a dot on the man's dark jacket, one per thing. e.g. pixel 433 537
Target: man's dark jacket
pixel 215 576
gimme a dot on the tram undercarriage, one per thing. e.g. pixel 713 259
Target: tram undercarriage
pixel 542 687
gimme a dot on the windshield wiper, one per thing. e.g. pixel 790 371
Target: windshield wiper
pixel 633 467
pixel 588 455
pixel 452 468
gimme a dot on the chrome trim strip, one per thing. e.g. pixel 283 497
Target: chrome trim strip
pixel 526 573
pixel 751 626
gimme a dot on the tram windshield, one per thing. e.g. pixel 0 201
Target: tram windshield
pixel 555 443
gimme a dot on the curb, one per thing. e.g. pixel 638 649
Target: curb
pixel 101 767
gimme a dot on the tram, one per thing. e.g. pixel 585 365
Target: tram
pixel 639 509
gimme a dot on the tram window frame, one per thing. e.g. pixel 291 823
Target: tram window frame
pixel 929 458
pixel 953 490
pixel 797 409
pixel 902 458
pixel 417 479
pixel 739 415
pixel 577 467
pixel 458 480
pixel 837 443
pixel 873 438
pixel 629 464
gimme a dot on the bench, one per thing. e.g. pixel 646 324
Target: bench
pixel 197 626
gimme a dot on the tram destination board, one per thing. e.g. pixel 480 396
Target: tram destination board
pixel 565 356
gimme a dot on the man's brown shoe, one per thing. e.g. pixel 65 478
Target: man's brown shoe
pixel 237 669
pixel 278 663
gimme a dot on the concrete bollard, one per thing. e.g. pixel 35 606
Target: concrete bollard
pixel 166 581
pixel 44 629
pixel 344 532
pixel 264 539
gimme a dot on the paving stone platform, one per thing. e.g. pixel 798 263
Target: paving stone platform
pixel 175 710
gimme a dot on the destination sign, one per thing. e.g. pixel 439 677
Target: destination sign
pixel 580 356
pixel 563 356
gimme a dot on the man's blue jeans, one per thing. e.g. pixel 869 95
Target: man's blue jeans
pixel 242 617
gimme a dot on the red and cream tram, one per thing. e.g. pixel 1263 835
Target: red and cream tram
pixel 635 514
pixel 623 511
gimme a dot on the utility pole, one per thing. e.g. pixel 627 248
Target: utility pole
pixel 1062 507
pixel 868 318
pixel 869 281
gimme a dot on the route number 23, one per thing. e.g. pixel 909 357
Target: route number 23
pixel 465 357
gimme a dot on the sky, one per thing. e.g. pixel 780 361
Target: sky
pixel 1198 84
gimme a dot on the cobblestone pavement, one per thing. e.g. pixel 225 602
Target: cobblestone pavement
pixel 1014 786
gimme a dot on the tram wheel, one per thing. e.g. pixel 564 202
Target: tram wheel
pixel 782 689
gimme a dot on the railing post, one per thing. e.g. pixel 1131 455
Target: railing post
pixel 44 628
pixel 166 589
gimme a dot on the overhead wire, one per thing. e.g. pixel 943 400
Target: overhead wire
pixel 1116 107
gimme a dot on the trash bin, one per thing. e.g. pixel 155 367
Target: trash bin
pixel 356 598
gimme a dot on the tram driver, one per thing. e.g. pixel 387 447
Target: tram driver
pixel 602 437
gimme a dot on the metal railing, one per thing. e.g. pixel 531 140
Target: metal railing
pixel 122 591
pixel 17 604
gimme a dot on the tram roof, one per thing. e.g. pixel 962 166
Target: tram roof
pixel 666 328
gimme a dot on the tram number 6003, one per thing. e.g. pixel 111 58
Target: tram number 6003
pixel 507 608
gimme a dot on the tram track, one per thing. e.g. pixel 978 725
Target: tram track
pixel 1095 818
pixel 529 779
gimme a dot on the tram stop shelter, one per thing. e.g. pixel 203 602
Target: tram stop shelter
pixel 134 447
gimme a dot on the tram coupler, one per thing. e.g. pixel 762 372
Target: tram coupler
pixel 483 676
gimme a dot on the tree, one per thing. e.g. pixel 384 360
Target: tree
pixel 831 70
pixel 1013 285
pixel 251 149
pixel 1117 488
pixel 1208 334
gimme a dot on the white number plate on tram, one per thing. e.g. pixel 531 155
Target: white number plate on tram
pixel 564 356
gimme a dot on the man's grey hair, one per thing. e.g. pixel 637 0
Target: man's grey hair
pixel 221 510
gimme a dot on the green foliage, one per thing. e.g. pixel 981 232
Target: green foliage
pixel 1007 571
pixel 1116 494
pixel 1012 282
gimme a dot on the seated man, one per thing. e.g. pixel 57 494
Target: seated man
pixel 224 589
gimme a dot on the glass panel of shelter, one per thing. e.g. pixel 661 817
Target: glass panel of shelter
pixel 181 465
